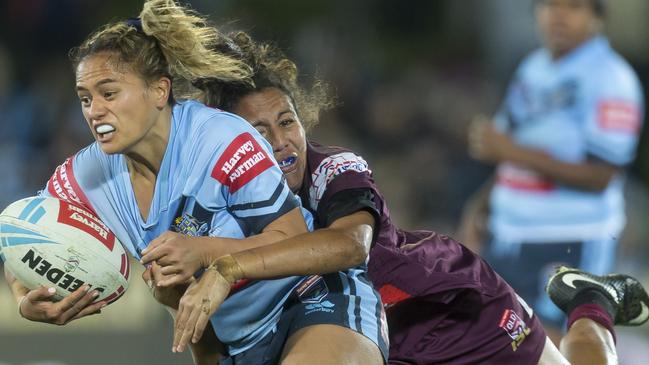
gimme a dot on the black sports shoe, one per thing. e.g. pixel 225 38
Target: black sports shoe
pixel 627 296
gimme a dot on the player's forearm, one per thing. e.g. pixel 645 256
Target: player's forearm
pixel 587 176
pixel 286 226
pixel 319 252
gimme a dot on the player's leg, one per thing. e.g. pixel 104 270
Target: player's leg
pixel 594 304
pixel 330 345
pixel 588 342
pixel 336 319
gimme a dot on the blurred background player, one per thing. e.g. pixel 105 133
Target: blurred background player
pixel 567 128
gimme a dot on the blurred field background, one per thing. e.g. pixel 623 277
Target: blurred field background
pixel 409 76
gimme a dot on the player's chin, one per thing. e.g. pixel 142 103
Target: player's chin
pixel 110 148
pixel 294 180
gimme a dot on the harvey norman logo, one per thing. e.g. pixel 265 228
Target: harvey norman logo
pixel 242 161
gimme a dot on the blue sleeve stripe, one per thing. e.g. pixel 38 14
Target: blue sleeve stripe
pixel 254 210
pixel 254 221
pixel 262 204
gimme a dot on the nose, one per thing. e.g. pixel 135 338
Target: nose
pixel 96 110
pixel 278 140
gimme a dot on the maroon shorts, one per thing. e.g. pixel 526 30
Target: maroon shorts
pixel 448 306
pixel 470 328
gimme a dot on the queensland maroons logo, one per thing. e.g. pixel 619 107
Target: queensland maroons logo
pixel 516 329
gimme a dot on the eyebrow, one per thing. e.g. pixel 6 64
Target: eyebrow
pixel 283 112
pixel 264 122
pixel 99 83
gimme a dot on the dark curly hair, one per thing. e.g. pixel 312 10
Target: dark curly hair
pixel 270 69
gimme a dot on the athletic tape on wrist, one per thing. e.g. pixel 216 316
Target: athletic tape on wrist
pixel 228 267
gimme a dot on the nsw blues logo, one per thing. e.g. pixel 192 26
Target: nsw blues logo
pixel 190 226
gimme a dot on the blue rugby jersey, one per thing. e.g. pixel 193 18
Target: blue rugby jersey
pixel 217 178
pixel 587 104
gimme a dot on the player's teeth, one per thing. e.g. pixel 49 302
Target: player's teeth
pixel 287 162
pixel 105 128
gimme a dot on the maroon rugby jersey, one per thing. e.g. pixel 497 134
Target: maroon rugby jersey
pixel 441 265
pixel 453 308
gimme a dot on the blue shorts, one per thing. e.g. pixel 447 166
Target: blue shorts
pixel 343 299
pixel 528 266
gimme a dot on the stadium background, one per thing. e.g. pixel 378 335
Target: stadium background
pixel 409 76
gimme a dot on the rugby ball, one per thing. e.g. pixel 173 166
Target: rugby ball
pixel 47 241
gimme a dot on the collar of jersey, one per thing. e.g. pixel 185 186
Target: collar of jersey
pixel 160 200
pixel 587 49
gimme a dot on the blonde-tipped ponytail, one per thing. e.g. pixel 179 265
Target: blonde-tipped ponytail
pixel 171 42
pixel 187 43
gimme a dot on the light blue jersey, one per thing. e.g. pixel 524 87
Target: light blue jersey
pixel 217 178
pixel 585 105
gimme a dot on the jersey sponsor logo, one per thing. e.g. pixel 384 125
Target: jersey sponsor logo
pixel 515 328
pixel 329 168
pixel 63 185
pixel 80 218
pixel 242 161
pixel 618 115
pixel 518 178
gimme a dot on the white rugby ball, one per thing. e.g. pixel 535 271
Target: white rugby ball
pixel 47 241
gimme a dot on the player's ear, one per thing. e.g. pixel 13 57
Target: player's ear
pixel 160 91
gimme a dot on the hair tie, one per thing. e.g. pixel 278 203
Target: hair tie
pixel 135 23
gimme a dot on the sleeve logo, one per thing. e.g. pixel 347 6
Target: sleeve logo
pixel 242 161
pixel 329 168
pixel 618 115
pixel 75 216
pixel 63 185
